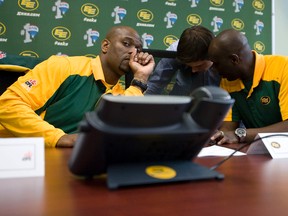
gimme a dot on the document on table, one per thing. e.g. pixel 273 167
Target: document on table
pixel 216 150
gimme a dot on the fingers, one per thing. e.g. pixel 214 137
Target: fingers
pixel 218 137
pixel 143 58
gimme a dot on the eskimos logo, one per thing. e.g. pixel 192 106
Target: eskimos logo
pixel 28 5
pixel 90 10
pixel 29 53
pixel 169 39
pixel 237 24
pixel 194 19
pixel 145 15
pixel 259 47
pixel 258 5
pixel 2 28
pixel 217 2
pixel 61 33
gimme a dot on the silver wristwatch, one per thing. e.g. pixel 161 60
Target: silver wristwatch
pixel 241 134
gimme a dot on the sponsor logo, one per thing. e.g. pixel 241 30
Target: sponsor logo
pixel 2 55
pixel 237 24
pixel 259 47
pixel 29 32
pixel 60 8
pixel 238 4
pixel 145 15
pixel 217 22
pixel 169 39
pixel 194 19
pixel 194 3
pixel 91 36
pixel 28 5
pixel 29 84
pixel 259 25
pixel 147 40
pixel 170 19
pixel 118 14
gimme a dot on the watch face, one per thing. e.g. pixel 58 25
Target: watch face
pixel 241 132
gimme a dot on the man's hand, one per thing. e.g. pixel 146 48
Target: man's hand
pixel 142 65
pixel 226 137
pixel 67 141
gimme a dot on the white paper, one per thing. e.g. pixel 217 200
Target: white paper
pixel 21 157
pixel 275 144
pixel 216 150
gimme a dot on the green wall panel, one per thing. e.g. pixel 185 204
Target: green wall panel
pixel 76 27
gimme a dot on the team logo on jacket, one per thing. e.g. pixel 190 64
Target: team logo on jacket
pixel 265 100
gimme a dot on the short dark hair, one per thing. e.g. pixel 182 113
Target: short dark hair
pixel 193 44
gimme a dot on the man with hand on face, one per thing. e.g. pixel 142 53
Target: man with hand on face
pixel 258 83
pixel 190 67
pixel 51 99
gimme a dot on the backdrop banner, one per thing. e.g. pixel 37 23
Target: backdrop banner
pixel 42 28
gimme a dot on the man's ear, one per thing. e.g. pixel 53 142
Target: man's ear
pixel 235 59
pixel 105 45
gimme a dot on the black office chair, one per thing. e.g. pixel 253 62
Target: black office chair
pixel 14 66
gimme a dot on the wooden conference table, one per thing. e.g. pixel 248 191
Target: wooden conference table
pixel 253 185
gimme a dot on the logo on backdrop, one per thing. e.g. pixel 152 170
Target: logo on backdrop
pixel 2 28
pixel 147 40
pixel 60 8
pixel 258 27
pixel 169 39
pixel 91 36
pixel 90 11
pixel 61 34
pixel 145 16
pixel 2 54
pixel 28 5
pixel 170 19
pixel 119 14
pixel 194 19
pixel 217 22
pixel 194 3
pixel 29 53
pixel 259 6
pixel 237 24
pixel 29 32
pixel 238 4
pixel 259 47
pixel 217 4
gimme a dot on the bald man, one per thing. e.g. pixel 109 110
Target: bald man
pixel 51 100
pixel 258 83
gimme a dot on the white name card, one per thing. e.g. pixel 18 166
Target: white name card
pixel 21 157
pixel 275 144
